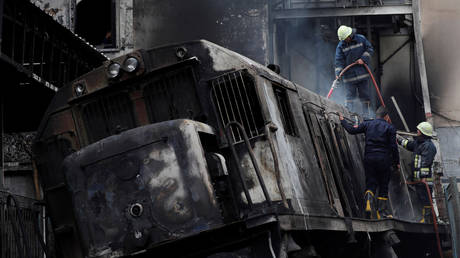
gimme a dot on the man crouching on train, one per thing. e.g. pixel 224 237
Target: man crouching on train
pixel 381 152
pixel 424 152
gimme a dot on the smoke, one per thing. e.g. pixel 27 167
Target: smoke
pixel 306 54
pixel 306 51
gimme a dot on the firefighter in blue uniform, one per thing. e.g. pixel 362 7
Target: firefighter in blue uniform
pixel 354 48
pixel 424 152
pixel 381 153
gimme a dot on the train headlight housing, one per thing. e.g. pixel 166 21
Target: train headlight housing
pixel 130 64
pixel 113 70
pixel 181 52
pixel 80 89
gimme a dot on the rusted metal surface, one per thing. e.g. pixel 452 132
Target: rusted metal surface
pixel 181 175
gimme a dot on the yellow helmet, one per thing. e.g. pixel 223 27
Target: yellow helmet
pixel 425 128
pixel 343 32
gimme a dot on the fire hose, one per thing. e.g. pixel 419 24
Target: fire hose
pixel 334 84
pixel 433 214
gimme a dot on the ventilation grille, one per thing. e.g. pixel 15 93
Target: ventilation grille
pixel 235 100
pixel 108 116
pixel 173 96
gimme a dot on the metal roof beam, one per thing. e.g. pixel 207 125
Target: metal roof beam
pixel 337 12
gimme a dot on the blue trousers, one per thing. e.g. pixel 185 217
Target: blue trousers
pixel 423 194
pixel 362 87
pixel 378 170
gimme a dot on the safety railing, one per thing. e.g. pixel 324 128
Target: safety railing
pixel 22 228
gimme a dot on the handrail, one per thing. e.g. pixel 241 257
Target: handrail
pixel 269 127
pixel 238 166
pixel 251 154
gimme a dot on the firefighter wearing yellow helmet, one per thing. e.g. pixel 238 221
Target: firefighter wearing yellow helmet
pixel 423 155
pixel 354 48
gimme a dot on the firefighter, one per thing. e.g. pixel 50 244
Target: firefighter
pixel 423 155
pixel 354 48
pixel 381 153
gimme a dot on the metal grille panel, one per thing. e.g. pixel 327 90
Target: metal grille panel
pixel 172 95
pixel 9 224
pixel 235 99
pixel 108 116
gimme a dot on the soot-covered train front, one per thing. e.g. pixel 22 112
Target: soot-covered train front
pixel 192 150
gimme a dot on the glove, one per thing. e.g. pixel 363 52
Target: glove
pixel 399 139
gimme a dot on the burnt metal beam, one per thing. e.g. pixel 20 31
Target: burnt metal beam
pixel 28 74
pixel 337 12
pixel 453 210
pixel 2 173
pixel 396 51
pixel 312 222
pixel 1 23
pixel 417 20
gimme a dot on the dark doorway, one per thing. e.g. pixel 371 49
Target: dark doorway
pixel 96 22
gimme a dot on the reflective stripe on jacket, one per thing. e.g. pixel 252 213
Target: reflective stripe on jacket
pixel 424 152
pixel 347 53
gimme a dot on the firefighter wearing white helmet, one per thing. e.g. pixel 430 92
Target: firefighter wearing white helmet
pixel 354 48
pixel 424 152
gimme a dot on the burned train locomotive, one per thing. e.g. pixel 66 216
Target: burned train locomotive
pixel 194 150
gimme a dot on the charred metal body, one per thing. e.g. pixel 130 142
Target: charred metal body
pixel 197 151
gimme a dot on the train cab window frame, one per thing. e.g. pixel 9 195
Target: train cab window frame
pixel 235 98
pixel 102 32
pixel 285 110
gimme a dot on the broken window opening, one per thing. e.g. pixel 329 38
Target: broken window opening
pixel 282 100
pixel 235 100
pixel 96 22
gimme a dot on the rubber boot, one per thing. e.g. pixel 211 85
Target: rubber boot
pixel 427 215
pixel 366 107
pixel 369 204
pixel 383 210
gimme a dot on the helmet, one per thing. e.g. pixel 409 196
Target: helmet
pixel 343 32
pixel 425 128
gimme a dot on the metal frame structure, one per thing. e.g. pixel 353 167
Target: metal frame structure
pixel 37 56
pixel 340 12
pixel 41 48
pixel 291 10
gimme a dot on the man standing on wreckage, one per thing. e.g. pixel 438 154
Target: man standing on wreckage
pixel 380 154
pixel 424 152
pixel 354 48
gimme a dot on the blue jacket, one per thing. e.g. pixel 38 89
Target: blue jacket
pixel 424 152
pixel 380 138
pixel 347 53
